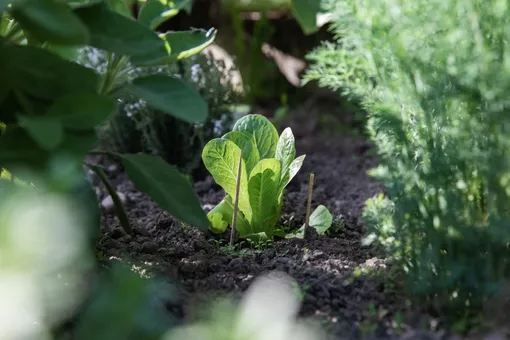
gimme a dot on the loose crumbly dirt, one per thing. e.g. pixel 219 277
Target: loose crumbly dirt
pixel 349 305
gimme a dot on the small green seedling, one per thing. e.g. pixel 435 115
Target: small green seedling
pixel 267 164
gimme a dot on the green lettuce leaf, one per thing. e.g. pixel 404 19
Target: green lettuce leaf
pixel 262 131
pixel 221 158
pixel 221 217
pixel 263 193
pixel 249 149
pixel 286 152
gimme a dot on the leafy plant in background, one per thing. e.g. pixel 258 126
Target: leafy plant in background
pixel 51 106
pixel 305 11
pixel 258 75
pixel 434 78
pixel 138 127
pixel 268 163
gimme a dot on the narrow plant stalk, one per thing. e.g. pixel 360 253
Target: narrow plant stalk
pixel 110 77
pixel 236 201
pixel 309 204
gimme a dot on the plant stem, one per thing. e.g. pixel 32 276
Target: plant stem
pixel 309 204
pixel 236 201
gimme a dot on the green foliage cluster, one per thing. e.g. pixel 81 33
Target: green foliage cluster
pixel 266 163
pixel 305 11
pixel 51 106
pixel 138 127
pixel 262 80
pixel 50 109
pixel 434 77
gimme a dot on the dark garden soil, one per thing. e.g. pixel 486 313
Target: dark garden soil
pixel 350 304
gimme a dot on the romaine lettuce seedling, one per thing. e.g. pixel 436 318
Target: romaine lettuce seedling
pixel 268 164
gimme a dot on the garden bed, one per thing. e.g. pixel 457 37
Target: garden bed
pixel 337 275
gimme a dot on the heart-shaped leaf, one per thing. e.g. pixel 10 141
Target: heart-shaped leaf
pixel 321 219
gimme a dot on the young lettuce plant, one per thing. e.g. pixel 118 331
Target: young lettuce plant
pixel 268 164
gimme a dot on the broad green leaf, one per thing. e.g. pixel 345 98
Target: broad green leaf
pixel 70 53
pixel 155 12
pixel 306 12
pixel 18 148
pixel 293 170
pixel 176 46
pixel 46 131
pixel 221 158
pixel 166 186
pixel 83 3
pixel 119 207
pixel 44 75
pixel 49 20
pixel 113 32
pixel 262 131
pixel 263 192
pixel 79 143
pixel 121 7
pixel 245 143
pixel 286 152
pixel 82 111
pixel 170 95
pixel 321 219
